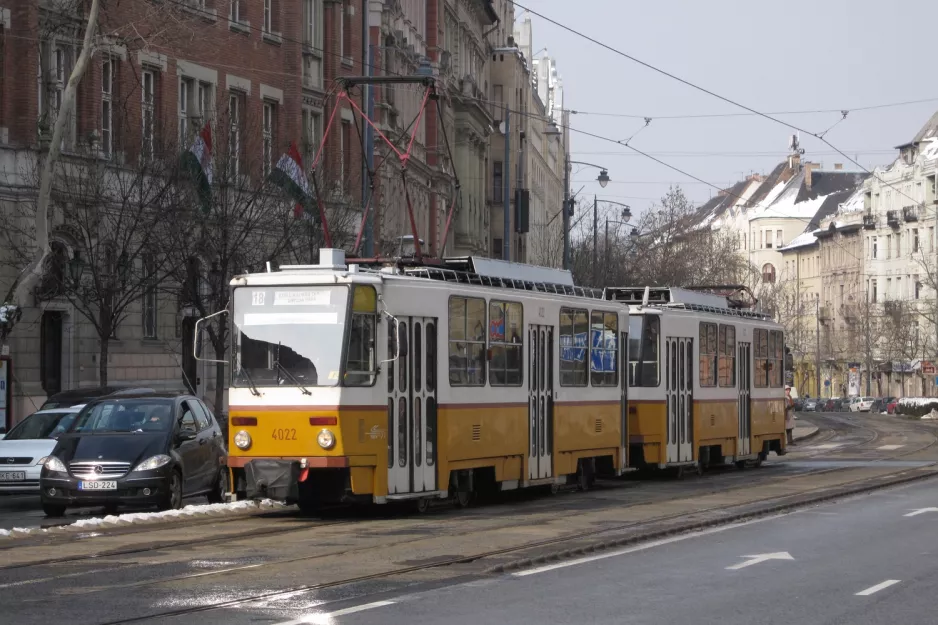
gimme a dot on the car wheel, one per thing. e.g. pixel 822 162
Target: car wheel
pixel 220 490
pixel 172 499
pixel 53 511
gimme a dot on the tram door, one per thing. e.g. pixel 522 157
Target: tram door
pixel 679 390
pixel 412 409
pixel 744 408
pixel 624 407
pixel 540 401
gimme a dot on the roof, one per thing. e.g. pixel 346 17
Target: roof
pixel 928 131
pixel 805 239
pixel 142 395
pixel 796 200
pixel 718 206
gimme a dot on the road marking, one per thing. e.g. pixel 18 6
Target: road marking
pixel 921 511
pixel 325 618
pixel 869 591
pixel 826 446
pixel 642 547
pixel 762 557
pixel 889 447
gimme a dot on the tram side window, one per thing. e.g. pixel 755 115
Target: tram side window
pixel 604 348
pixel 644 332
pixel 574 348
pixel 360 359
pixel 777 345
pixel 708 354
pixel 505 340
pixel 762 358
pixel 727 346
pixel 466 341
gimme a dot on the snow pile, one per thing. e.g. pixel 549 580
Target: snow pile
pixel 149 518
pixel 7 313
pixel 922 407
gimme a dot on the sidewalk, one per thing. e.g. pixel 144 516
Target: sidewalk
pixel 803 429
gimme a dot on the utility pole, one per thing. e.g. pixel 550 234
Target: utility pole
pixel 817 337
pixel 506 181
pixel 595 241
pixel 369 93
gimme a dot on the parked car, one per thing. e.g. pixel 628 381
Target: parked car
pixel 880 404
pixel 810 405
pixel 861 404
pixel 25 447
pixel 891 406
pixel 84 395
pixel 141 450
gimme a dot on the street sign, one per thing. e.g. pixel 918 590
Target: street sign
pixel 828 382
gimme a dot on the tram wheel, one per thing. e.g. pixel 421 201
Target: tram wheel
pixel 740 464
pixel 422 505
pixel 462 498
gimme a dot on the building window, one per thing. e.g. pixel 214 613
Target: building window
pixel 873 247
pixel 574 326
pixel 778 238
pixel 768 273
pixel 195 105
pixel 148 111
pixel 234 10
pixel 496 248
pixel 466 341
pixel 345 45
pixel 185 87
pixel 918 288
pixel 727 346
pixel 604 348
pixel 311 128
pixel 270 122
pixel 768 239
pixel 506 328
pixel 235 117
pixel 873 291
pixel 108 73
pixel 497 182
pixel 914 240
pixel 708 354
pixel 268 16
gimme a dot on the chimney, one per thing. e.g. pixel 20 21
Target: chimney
pixel 794 162
pixel 838 166
pixel 808 168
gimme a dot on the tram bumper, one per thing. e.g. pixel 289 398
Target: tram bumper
pixel 272 479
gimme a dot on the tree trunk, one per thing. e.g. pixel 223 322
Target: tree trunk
pixel 33 271
pixel 102 361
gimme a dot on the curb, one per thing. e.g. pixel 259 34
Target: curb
pixel 808 437
pixel 687 528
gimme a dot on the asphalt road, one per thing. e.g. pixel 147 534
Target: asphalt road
pixel 856 562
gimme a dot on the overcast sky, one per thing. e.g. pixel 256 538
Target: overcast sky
pixel 771 56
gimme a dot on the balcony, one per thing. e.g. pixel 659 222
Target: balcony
pixel 849 311
pixel 910 213
pixel 869 222
pixel 892 218
pixel 825 313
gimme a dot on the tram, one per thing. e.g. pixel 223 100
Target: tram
pixel 397 382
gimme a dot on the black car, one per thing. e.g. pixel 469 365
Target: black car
pixel 76 396
pixel 139 450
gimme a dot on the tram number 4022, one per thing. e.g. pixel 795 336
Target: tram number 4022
pixel 284 434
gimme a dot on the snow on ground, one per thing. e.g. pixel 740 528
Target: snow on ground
pixel 146 518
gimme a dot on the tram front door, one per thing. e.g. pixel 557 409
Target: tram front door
pixel 679 379
pixel 540 401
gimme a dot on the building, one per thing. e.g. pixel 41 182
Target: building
pixel 255 76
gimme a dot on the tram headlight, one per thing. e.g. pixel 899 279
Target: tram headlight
pixel 326 439
pixel 242 440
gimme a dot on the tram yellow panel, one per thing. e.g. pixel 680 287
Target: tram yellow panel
pixel 363 480
pixel 586 425
pixel 648 427
pixel 482 431
pixel 768 417
pixel 288 432
pixel 715 421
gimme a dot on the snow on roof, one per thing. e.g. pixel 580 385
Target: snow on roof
pixel 931 151
pixel 802 240
pixel 853 204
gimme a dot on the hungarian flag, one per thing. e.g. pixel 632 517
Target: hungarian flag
pixel 197 160
pixel 289 176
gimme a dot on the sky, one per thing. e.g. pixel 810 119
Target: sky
pixel 770 56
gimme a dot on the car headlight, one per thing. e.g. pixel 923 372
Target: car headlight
pixel 153 462
pixel 242 440
pixel 326 439
pixel 52 463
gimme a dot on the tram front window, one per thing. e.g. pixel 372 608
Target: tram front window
pixel 288 336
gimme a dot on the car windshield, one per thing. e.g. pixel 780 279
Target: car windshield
pixel 129 415
pixel 41 425
pixel 288 336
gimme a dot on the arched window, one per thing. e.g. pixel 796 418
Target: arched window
pixel 768 273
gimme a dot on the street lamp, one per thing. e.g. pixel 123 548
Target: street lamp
pixel 625 214
pixel 603 180
pixel 75 267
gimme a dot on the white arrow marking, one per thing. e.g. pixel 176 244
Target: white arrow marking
pixel 921 511
pixel 762 557
pixel 873 589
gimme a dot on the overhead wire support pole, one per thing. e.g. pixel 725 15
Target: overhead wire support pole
pixel 506 182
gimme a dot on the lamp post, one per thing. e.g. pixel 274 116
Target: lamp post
pixel 625 214
pixel 75 268
pixel 603 180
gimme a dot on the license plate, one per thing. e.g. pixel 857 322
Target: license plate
pixel 103 485
pixel 12 476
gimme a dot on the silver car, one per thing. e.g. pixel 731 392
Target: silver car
pixel 24 448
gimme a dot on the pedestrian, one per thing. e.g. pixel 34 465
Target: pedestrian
pixel 789 415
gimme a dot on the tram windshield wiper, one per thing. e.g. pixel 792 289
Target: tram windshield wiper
pixel 247 376
pixel 287 373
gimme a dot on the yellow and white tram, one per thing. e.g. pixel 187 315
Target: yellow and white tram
pixel 353 384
